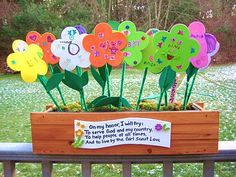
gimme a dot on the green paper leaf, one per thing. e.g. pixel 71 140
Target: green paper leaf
pixel 84 78
pixel 151 97
pixel 44 79
pixel 165 128
pixel 114 24
pixel 109 68
pixel 73 81
pixel 54 81
pixel 81 143
pixel 109 100
pixel 98 77
pixel 77 142
pixel 191 71
pixel 167 79
pixel 95 101
pixel 56 69
pixel 102 71
pixel 125 103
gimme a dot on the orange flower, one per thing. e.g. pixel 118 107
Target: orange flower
pixel 79 133
pixel 82 126
pixel 105 46
pixel 44 41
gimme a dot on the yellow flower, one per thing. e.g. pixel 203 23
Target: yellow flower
pixel 28 59
pixel 79 133
pixel 80 125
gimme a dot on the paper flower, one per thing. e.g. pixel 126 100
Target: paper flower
pixel 44 41
pixel 207 42
pixel 211 54
pixel 175 48
pixel 28 59
pixel 158 127
pixel 148 60
pixel 136 41
pixel 70 50
pixel 79 133
pixel 104 46
pixel 82 126
pixel 81 29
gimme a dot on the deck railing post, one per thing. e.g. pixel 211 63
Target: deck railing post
pixel 167 169
pixel 9 168
pixel 47 169
pixel 126 169
pixel 86 169
pixel 208 168
pixel 10 153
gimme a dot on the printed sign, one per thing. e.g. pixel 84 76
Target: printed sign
pixel 94 135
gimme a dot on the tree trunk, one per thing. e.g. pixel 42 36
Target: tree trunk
pixel 159 14
pixel 149 15
pixel 167 14
pixel 109 9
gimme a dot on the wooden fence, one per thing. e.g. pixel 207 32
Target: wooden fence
pixel 11 153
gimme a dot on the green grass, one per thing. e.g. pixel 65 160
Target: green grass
pixel 18 99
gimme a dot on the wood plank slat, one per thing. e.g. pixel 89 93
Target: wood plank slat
pixel 66 132
pixel 177 147
pixel 176 117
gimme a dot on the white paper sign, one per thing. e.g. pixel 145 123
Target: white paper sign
pixel 93 135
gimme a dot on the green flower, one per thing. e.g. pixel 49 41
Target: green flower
pixel 136 41
pixel 148 53
pixel 175 48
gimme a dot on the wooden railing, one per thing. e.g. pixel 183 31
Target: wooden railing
pixel 10 153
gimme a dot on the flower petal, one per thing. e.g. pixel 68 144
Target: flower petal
pixel 119 40
pixel 15 61
pixel 97 58
pixel 33 37
pixel 19 46
pixel 134 57
pixel 102 31
pixel 115 60
pixel 42 67
pixel 28 75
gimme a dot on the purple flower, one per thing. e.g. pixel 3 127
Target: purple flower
pixel 158 127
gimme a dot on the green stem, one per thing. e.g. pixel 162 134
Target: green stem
pixel 61 95
pixel 49 93
pixel 79 71
pixel 141 89
pixel 185 95
pixel 159 103
pixel 58 88
pixel 122 83
pixel 103 90
pixel 82 100
pixel 108 82
pixel 191 87
pixel 166 102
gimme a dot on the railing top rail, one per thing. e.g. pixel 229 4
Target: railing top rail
pixel 23 152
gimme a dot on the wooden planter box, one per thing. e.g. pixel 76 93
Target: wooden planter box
pixel 192 132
